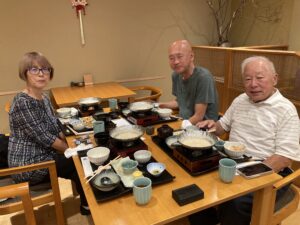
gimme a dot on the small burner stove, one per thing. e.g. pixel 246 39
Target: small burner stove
pixel 85 110
pixel 143 118
pixel 126 148
pixel 197 161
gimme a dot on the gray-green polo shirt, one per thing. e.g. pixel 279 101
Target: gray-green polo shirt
pixel 199 88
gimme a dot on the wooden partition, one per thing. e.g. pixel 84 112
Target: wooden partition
pixel 225 65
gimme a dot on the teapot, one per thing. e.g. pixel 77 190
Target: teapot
pixel 165 131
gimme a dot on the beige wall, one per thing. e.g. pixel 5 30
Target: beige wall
pixel 124 39
pixel 267 22
pixel 294 38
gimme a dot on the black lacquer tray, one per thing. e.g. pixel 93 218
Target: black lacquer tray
pixel 150 123
pixel 163 146
pixel 242 159
pixel 121 190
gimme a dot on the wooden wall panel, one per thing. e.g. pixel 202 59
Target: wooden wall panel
pixel 225 65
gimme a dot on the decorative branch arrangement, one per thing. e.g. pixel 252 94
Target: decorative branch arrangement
pixel 79 5
pixel 225 16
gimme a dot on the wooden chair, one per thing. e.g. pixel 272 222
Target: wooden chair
pixel 154 95
pixel 7 107
pixel 20 190
pixel 288 204
pixel 38 197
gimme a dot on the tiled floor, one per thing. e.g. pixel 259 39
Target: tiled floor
pixel 45 214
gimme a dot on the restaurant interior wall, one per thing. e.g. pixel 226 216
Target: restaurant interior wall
pixel 124 40
pixel 266 22
pixel 294 42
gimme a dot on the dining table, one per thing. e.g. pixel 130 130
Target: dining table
pixel 69 96
pixel 162 208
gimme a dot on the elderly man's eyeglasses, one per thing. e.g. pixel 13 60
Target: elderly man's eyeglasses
pixel 36 71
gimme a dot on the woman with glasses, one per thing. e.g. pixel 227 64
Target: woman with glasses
pixel 36 134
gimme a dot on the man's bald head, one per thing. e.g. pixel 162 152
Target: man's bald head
pixel 181 57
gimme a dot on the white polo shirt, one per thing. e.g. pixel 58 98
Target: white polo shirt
pixel 266 128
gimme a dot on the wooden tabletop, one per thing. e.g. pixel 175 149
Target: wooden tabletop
pixel 69 96
pixel 163 209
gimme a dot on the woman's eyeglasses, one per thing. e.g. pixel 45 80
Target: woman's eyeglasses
pixel 36 71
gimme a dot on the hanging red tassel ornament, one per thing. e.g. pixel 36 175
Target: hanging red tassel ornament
pixel 79 5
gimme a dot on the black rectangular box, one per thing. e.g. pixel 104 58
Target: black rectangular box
pixel 187 194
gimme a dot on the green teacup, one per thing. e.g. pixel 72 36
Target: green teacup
pixel 142 190
pixel 227 170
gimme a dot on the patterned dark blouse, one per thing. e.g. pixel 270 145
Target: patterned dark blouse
pixel 34 128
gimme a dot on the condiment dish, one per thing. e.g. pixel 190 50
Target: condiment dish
pixel 156 168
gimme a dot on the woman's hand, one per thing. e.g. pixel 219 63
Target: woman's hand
pixel 60 145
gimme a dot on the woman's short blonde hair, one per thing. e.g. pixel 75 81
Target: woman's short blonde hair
pixel 32 59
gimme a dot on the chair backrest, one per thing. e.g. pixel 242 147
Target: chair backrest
pixel 152 93
pixel 47 197
pixel 21 190
pixel 7 107
pixel 288 203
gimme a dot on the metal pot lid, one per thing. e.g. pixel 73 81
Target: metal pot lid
pixel 140 106
pixel 89 101
pixel 197 140
pixel 127 133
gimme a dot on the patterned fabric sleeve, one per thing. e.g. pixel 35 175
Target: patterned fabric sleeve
pixel 29 117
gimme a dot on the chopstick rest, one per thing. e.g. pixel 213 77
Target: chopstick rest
pixel 187 194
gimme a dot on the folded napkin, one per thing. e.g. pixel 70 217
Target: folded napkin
pixel 73 151
pixel 185 124
pixel 120 122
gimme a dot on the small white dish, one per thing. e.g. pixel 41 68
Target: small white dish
pixel 142 156
pixel 156 168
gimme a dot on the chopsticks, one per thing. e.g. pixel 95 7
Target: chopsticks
pixel 211 130
pixel 101 168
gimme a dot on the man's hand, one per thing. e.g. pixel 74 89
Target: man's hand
pixel 211 125
pixel 200 110
pixel 277 162
pixel 171 105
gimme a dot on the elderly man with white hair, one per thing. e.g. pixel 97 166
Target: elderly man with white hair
pixel 266 122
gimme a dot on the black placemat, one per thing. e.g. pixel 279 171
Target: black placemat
pixel 159 121
pixel 242 159
pixel 66 131
pixel 121 190
pixel 165 177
